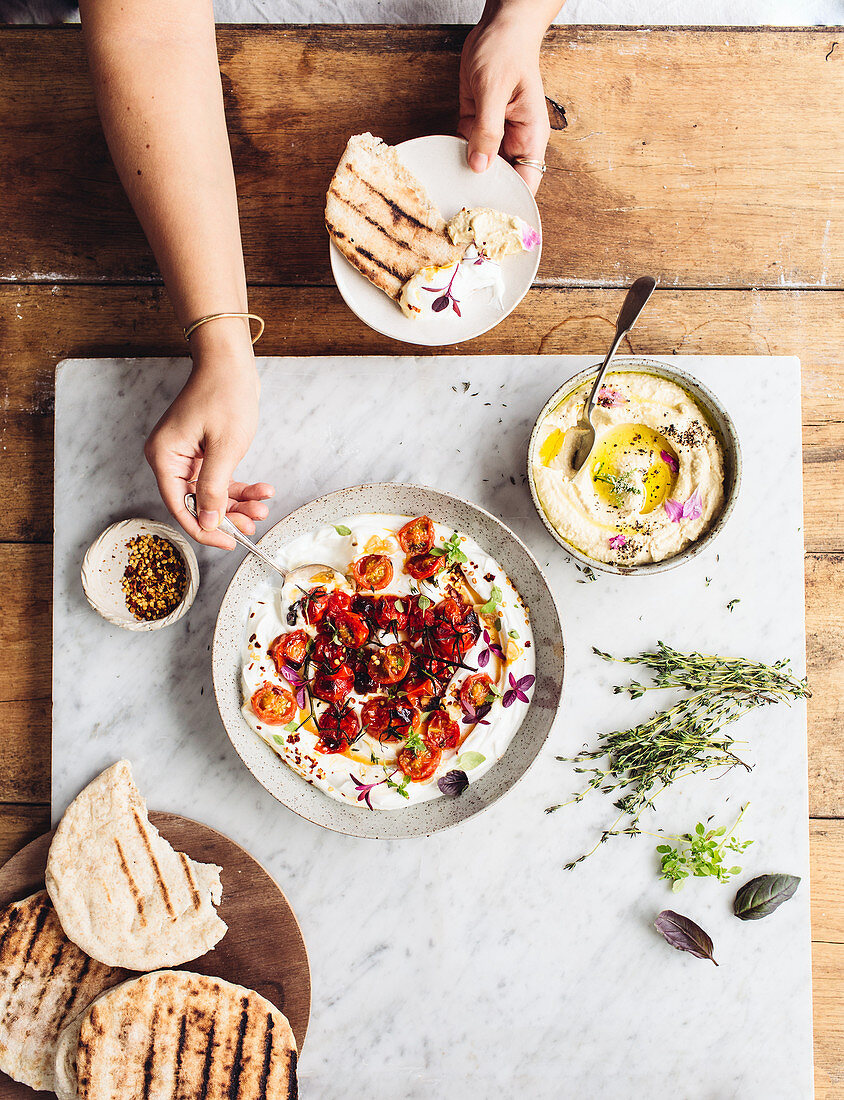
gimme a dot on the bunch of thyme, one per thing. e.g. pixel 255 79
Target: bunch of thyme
pixel 638 764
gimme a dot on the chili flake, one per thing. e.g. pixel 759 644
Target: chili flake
pixel 155 578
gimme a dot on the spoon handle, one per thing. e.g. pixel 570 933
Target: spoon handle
pixel 228 528
pixel 631 307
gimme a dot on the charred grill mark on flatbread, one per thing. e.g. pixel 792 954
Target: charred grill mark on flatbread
pixel 24 957
pixel 194 893
pixel 133 886
pixel 334 231
pixel 180 1053
pixel 70 1003
pixel 379 263
pixel 12 922
pixel 268 1055
pixel 206 1069
pixel 159 878
pixel 372 221
pixel 150 1058
pixel 396 210
pixel 292 1086
pixel 237 1065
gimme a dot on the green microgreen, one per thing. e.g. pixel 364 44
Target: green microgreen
pixel 513 634
pixel 342 529
pixel 400 787
pixel 451 552
pixel 701 853
pixel 620 484
pixel 492 603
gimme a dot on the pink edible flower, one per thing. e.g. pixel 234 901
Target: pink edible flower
pixel 692 509
pixel 530 238
pixel 617 541
pixel 670 461
pixel 610 399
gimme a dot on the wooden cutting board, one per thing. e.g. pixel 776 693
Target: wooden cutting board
pixel 262 950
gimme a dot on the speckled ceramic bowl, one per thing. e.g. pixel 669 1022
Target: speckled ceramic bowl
pixel 106 559
pixel 427 817
pixel 719 420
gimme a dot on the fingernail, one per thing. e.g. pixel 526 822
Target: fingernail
pixel 478 162
pixel 209 521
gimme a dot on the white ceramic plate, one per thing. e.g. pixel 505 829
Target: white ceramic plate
pixel 439 163
pixel 425 817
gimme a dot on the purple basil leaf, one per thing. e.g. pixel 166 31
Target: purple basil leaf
pixel 513 683
pixel 483 658
pixel 509 698
pixel 486 637
pixel 497 650
pixel 684 934
pixel 290 675
pixel 440 304
pixel 455 307
pixel 763 894
pixel 300 698
pixel 483 710
pixel 453 783
pixel 525 682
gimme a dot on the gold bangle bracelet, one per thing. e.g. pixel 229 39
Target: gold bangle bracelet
pixel 191 329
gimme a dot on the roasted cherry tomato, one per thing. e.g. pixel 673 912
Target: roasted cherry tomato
pixel 327 653
pixel 418 619
pixel 456 628
pixel 422 566
pixel 405 717
pixel 333 687
pixel 475 692
pixel 417 536
pixel 290 649
pixel 389 664
pixel 349 629
pixel 419 765
pixel 391 614
pixel 442 732
pixel 366 607
pixel 359 664
pixel 428 664
pixel 373 572
pixel 375 715
pixel 419 688
pixel 336 602
pixel 314 604
pixel 338 727
pixel 273 704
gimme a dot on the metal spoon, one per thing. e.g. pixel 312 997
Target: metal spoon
pixel 228 528
pixel 631 307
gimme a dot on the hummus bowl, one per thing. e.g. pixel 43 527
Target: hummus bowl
pixel 414 817
pixel 661 482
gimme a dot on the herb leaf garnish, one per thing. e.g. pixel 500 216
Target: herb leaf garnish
pixel 762 895
pixel 453 783
pixel 701 853
pixel 469 760
pixel 684 934
pixel 342 529
pixel 493 601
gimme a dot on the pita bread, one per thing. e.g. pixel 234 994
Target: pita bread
pixel 379 216
pixel 121 892
pixel 44 980
pixel 173 1034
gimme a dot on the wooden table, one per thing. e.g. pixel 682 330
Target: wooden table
pixel 712 159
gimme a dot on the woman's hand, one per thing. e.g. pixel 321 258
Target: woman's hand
pixel 502 101
pixel 201 438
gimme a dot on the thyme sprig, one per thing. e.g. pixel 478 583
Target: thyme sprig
pixel 637 764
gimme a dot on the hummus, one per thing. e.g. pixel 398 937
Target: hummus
pixel 493 233
pixel 655 479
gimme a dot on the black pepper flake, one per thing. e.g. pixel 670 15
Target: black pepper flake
pixel 155 578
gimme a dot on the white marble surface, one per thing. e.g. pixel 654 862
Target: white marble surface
pixel 470 963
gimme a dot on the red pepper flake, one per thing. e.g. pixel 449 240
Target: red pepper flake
pixel 155 578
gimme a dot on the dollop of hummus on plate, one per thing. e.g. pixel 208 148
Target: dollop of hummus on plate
pixel 654 482
pixel 494 233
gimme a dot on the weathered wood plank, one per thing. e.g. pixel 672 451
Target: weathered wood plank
pixel 827 998
pixel 680 156
pixel 79 321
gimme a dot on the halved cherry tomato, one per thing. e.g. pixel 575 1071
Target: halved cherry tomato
pixel 359 664
pixel 419 687
pixel 349 629
pixel 428 664
pixel 289 649
pixel 405 717
pixel 336 602
pixel 475 692
pixel 419 765
pixel 366 607
pixel 389 664
pixel 372 572
pixel 338 727
pixel 375 715
pixel 314 604
pixel 391 613
pixel 417 536
pixel 273 704
pixel 333 687
pixel 442 732
pixel 328 653
pixel 456 628
pixel 422 566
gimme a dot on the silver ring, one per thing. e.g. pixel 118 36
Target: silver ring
pixel 539 165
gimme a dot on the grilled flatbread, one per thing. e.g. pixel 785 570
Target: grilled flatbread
pixel 121 892
pixel 173 1034
pixel 44 981
pixel 380 218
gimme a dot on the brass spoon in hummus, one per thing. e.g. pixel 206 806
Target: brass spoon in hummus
pixel 634 303
pixel 305 574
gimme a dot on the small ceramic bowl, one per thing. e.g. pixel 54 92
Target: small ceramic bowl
pixel 719 420
pixel 106 559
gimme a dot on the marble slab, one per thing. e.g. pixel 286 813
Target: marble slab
pixel 470 963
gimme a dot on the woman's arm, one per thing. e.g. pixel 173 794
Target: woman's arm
pixel 157 82
pixel 502 101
